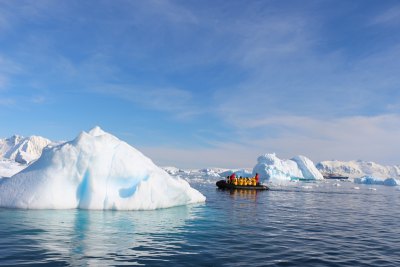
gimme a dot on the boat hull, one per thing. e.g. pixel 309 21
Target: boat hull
pixel 222 184
pixel 337 177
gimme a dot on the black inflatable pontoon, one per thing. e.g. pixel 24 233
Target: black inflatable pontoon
pixel 222 184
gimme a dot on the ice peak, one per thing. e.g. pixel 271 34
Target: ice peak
pixel 269 158
pixel 96 131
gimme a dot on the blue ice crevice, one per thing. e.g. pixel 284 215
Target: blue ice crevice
pixel 130 191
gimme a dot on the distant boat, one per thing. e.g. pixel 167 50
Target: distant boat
pixel 335 176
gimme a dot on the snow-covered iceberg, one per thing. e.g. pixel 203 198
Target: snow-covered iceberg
pixel 359 168
pixel 270 167
pixel 23 149
pixel 376 181
pixel 96 170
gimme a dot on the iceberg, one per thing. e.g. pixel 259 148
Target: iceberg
pixel 376 181
pixel 359 168
pixel 307 168
pixel 23 150
pixel 10 167
pixel 270 167
pixel 96 170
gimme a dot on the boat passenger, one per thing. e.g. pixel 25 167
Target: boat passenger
pixel 232 177
pixel 257 179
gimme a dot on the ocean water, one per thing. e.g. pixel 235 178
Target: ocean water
pixel 298 224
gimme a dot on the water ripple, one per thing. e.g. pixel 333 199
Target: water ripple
pixel 290 226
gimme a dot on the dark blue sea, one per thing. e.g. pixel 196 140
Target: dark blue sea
pixel 300 224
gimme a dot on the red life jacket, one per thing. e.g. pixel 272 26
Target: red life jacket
pixel 233 176
pixel 257 177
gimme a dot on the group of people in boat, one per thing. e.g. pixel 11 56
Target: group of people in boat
pixel 243 181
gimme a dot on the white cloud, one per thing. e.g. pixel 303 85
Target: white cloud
pixel 368 138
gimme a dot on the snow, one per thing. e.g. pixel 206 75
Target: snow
pixel 376 181
pixel 9 167
pixel 209 173
pixel 96 170
pixel 270 167
pixel 172 170
pixel 359 168
pixel 307 167
pixel 22 149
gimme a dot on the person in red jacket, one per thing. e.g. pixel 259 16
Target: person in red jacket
pixel 232 178
pixel 257 179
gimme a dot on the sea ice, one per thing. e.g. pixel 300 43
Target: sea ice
pixel 376 181
pixel 96 170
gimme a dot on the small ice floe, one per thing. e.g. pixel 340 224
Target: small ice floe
pixel 371 188
pixel 337 184
pixel 356 188
pixel 307 187
pixel 377 181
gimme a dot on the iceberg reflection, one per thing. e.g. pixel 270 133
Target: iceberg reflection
pixel 82 237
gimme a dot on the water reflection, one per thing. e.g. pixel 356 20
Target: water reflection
pixel 292 226
pixel 80 237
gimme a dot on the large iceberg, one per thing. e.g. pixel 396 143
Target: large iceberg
pixel 270 167
pixel 96 170
pixel 359 168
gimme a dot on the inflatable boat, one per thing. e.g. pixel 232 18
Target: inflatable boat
pixel 222 184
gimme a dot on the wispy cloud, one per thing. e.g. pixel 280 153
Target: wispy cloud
pixel 178 102
pixel 167 10
pixel 366 138
pixel 252 77
pixel 8 68
pixel 38 99
pixel 4 101
pixel 389 17
pixel 291 74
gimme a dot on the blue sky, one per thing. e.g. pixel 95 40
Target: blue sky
pixel 207 83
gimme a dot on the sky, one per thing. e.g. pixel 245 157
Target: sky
pixel 198 84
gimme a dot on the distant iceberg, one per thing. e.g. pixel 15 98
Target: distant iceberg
pixel 376 181
pixel 359 168
pixel 22 149
pixel 238 172
pixel 95 171
pixel 270 167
